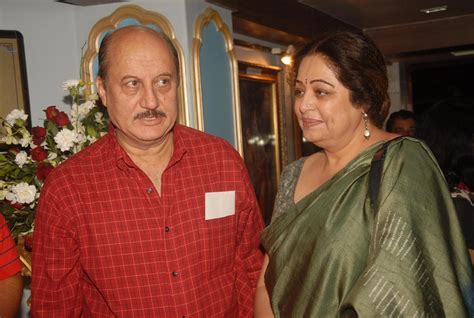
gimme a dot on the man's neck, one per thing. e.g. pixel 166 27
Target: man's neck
pixel 152 159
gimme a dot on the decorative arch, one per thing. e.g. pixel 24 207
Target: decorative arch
pixel 133 15
pixel 204 21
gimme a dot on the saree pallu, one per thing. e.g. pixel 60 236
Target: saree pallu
pixel 331 255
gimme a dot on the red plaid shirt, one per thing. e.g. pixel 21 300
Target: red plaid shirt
pixel 9 261
pixel 107 244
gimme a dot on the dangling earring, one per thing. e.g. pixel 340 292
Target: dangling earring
pixel 366 124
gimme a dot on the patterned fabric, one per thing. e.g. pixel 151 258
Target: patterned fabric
pixel 107 244
pixel 9 262
pixel 286 190
pixel 331 255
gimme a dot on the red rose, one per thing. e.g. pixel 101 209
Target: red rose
pixel 61 119
pixel 51 112
pixel 38 154
pixel 29 242
pixel 16 205
pixel 42 171
pixel 39 134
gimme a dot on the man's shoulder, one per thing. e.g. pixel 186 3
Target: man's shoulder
pixel 86 160
pixel 196 139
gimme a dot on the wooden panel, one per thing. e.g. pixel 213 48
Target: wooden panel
pixel 424 36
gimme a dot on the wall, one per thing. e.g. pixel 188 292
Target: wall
pixel 51 49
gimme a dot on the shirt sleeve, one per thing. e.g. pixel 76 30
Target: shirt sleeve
pixel 56 269
pixel 9 261
pixel 249 256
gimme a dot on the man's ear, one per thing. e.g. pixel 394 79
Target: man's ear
pixel 100 85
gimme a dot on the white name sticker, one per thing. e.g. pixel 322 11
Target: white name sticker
pixel 219 204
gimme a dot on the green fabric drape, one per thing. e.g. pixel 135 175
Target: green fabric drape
pixel 331 255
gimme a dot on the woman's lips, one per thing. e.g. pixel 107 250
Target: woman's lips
pixel 310 122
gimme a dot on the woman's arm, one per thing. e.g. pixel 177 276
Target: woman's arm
pixel 262 301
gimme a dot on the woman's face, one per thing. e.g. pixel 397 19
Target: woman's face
pixel 323 107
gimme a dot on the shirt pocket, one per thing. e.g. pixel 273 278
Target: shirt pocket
pixel 220 243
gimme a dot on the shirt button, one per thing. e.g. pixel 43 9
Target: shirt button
pixel 167 229
pixel 149 190
pixel 174 274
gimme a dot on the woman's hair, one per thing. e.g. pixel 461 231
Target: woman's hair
pixel 359 66
pixel 448 128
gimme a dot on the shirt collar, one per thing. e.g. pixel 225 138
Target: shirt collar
pixel 123 159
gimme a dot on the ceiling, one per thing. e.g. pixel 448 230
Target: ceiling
pixel 398 27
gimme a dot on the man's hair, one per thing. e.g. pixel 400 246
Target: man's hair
pixel 401 114
pixel 104 58
pixel 359 65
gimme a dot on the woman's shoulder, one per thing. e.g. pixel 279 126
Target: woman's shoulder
pixel 405 145
pixel 411 153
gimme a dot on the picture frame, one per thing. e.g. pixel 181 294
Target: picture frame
pixel 13 82
pixel 261 122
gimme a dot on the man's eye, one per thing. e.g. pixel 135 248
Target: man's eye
pixel 163 82
pixel 132 83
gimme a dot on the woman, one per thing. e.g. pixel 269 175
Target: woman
pixel 330 250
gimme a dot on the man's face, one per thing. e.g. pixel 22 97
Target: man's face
pixel 404 127
pixel 140 90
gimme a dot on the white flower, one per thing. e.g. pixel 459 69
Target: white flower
pixel 93 97
pixel 52 156
pixel 26 141
pixel 81 138
pixel 92 139
pixel 22 192
pixel 65 139
pixel 3 194
pixel 9 140
pixel 70 84
pixel 21 158
pixel 81 111
pixel 99 118
pixel 14 115
pixel 78 127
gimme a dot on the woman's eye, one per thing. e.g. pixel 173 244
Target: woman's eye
pixel 299 92
pixel 320 92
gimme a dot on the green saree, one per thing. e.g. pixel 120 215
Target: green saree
pixel 332 256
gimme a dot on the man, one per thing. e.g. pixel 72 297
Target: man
pixel 11 282
pixel 402 122
pixel 153 220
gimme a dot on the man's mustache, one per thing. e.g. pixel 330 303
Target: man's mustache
pixel 151 113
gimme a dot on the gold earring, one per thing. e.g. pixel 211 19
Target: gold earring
pixel 366 124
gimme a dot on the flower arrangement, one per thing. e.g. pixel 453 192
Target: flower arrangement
pixel 32 155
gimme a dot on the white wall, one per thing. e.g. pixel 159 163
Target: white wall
pixel 51 50
pixel 55 32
